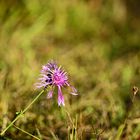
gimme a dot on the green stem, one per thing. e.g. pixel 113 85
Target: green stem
pixel 26 132
pixel 21 113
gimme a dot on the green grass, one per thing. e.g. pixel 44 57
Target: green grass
pixel 97 42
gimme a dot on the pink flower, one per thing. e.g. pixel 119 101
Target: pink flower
pixel 54 76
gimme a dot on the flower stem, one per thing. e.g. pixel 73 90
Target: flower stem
pixel 21 113
pixel 26 132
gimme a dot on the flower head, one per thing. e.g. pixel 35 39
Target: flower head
pixel 54 76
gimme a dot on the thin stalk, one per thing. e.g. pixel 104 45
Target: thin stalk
pixel 21 113
pixel 53 135
pixel 26 132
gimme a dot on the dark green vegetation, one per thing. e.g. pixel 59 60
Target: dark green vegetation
pixel 97 42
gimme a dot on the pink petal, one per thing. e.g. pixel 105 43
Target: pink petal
pixel 50 94
pixel 60 97
pixel 74 91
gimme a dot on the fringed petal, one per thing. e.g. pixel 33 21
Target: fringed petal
pixel 74 91
pixel 50 94
pixel 60 97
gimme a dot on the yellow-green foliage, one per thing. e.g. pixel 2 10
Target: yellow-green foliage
pixel 97 42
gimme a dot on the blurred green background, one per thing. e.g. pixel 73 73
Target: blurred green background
pixel 97 42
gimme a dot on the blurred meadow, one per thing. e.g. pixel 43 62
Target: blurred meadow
pixel 97 42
